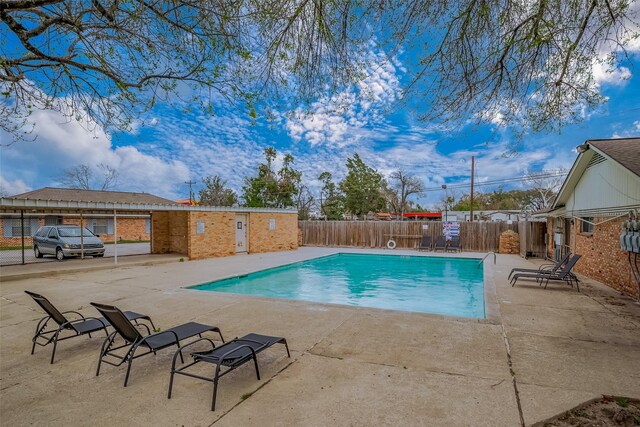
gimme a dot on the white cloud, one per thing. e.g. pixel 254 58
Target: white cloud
pixel 60 145
pixel 604 74
pixel 342 119
pixel 11 188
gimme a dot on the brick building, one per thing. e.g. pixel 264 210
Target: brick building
pixel 193 231
pixel 601 191
pixel 131 226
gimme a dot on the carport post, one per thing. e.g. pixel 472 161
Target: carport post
pixel 81 236
pixel 115 237
pixel 22 233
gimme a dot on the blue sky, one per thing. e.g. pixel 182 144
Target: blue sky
pixel 169 146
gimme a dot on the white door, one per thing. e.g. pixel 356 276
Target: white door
pixel 241 233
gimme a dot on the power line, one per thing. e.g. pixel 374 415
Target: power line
pixel 190 184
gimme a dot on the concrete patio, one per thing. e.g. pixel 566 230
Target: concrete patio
pixel 545 351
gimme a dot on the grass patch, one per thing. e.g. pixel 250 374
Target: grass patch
pixel 245 396
pixel 13 248
pixel 622 401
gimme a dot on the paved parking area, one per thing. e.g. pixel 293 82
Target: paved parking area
pixel 14 256
pixel 349 365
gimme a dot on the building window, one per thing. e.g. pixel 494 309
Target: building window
pixel 53 220
pixel 100 226
pixel 16 228
pixel 11 227
pixel 586 225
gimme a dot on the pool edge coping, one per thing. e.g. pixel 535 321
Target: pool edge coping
pixel 491 305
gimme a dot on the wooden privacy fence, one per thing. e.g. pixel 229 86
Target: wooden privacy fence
pixel 474 236
pixel 532 241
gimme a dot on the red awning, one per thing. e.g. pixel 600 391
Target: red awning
pixel 423 215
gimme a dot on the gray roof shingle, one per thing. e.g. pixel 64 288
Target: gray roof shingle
pixel 77 195
pixel 625 151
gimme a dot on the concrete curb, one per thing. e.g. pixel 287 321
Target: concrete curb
pixel 83 269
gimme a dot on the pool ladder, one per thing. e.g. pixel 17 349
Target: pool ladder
pixel 485 257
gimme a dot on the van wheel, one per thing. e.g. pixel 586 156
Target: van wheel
pixel 36 252
pixel 59 254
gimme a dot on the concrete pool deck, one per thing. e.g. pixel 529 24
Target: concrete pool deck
pixel 348 365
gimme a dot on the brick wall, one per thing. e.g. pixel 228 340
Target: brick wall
pixel 170 232
pixel 17 241
pixel 602 259
pixel 283 238
pixel 175 232
pixel 218 239
pixel 129 228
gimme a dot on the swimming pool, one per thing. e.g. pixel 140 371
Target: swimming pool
pixel 441 285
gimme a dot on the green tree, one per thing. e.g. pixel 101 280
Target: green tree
pixel 270 188
pixel 362 188
pixel 331 199
pixel 464 202
pixel 216 192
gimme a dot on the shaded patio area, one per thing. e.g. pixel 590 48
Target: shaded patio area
pixel 545 351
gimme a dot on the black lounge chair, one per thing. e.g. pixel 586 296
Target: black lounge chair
pixel 425 243
pixel 133 339
pixel 232 355
pixel 564 275
pixel 454 245
pixel 440 244
pixel 83 325
pixel 550 267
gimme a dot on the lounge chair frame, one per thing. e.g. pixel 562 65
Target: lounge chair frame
pixel 564 275
pixel 440 244
pixel 224 360
pixel 133 339
pixel 426 244
pixel 85 325
pixel 551 267
pixel 453 247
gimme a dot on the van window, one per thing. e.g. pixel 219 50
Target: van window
pixel 52 233
pixel 42 231
pixel 74 232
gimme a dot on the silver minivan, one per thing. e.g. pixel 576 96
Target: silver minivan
pixel 65 241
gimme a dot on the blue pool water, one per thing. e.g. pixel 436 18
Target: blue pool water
pixel 449 286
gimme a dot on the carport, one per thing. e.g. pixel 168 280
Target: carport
pixel 193 231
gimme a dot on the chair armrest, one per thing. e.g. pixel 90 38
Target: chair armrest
pixel 196 341
pixel 74 312
pixel 142 324
pixel 225 355
pixel 179 351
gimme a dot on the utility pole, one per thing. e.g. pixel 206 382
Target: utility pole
pixel 472 173
pixel 446 202
pixel 190 184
